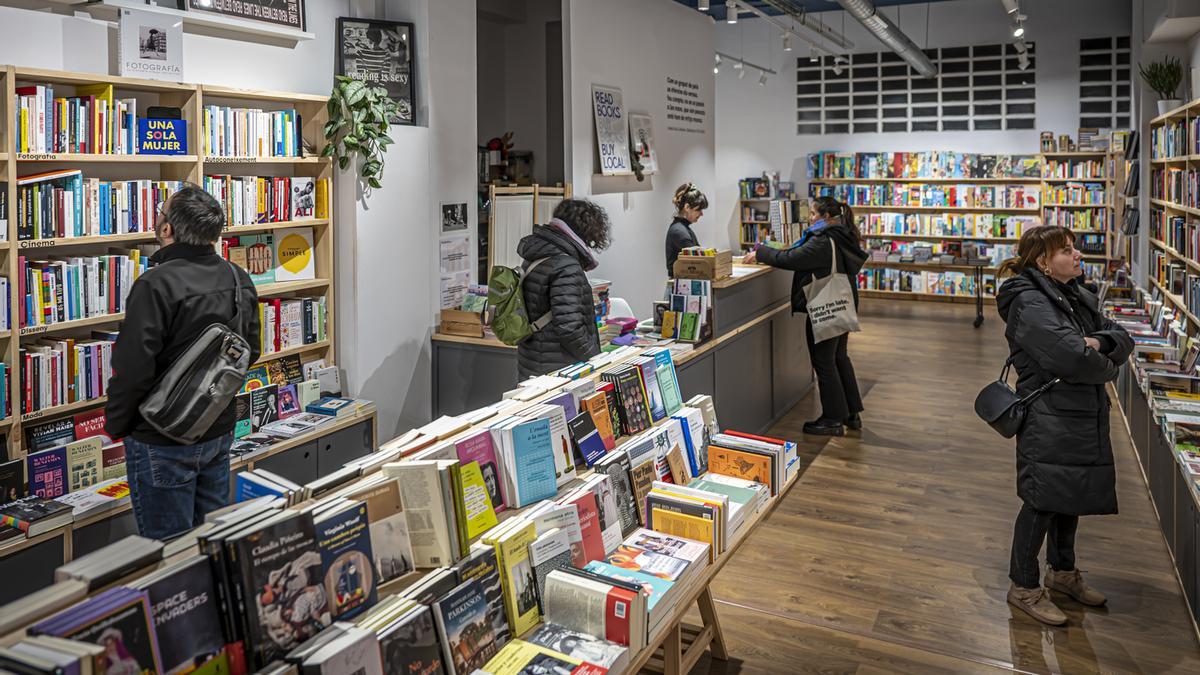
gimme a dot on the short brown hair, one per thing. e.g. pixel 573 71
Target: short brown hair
pixel 1039 241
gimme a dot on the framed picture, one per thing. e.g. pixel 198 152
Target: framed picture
pixel 381 53
pixel 454 216
pixel 288 13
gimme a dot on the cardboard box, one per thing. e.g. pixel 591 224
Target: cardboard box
pixel 458 322
pixel 704 267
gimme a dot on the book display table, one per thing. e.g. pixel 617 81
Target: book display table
pixel 756 365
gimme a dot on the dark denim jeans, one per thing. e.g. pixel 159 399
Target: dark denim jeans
pixel 1031 529
pixel 174 486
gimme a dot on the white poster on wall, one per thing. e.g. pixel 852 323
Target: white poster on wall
pixel 612 130
pixel 149 45
pixel 641 130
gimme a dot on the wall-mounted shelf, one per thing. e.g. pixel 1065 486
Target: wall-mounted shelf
pixel 202 23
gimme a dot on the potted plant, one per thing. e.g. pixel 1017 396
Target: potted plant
pixel 1164 78
pixel 358 125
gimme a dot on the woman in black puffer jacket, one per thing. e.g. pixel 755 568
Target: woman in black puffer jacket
pixel 1064 455
pixel 556 257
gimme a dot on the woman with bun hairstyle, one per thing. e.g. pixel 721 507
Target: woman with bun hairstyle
pixel 832 223
pixel 689 203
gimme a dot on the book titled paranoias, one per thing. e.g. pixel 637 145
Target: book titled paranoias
pixel 184 605
pixel 117 619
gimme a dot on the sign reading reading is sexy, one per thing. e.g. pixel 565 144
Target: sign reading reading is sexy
pixel 612 130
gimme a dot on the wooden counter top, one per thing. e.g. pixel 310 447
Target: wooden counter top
pixel 478 342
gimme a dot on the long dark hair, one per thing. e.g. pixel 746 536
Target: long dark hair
pixel 830 208
pixel 1035 243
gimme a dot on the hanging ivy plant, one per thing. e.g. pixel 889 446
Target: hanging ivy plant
pixel 358 126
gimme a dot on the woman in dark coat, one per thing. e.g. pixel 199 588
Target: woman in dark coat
pixel 689 203
pixel 1064 456
pixel 557 255
pixel 832 222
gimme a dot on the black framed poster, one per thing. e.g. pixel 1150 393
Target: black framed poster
pixel 288 13
pixel 381 53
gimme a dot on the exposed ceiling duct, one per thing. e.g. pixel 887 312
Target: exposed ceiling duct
pixel 882 28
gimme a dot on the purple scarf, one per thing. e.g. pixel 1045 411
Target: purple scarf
pixel 591 262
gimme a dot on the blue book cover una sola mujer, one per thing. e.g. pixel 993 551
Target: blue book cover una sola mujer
pixel 162 137
pixel 533 452
pixel 345 542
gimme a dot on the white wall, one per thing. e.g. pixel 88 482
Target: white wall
pixel 44 40
pixel 756 124
pixel 394 279
pixel 636 45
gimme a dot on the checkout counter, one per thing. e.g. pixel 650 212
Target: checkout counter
pixel 755 366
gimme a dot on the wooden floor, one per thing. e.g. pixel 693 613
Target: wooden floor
pixel 891 554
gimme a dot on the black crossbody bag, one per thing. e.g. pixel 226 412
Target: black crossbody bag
pixel 199 385
pixel 999 405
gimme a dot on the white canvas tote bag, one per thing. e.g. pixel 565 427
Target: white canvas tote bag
pixel 831 303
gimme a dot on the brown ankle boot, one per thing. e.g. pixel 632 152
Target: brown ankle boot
pixel 1072 583
pixel 1036 603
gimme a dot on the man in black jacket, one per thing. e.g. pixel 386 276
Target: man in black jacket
pixel 188 289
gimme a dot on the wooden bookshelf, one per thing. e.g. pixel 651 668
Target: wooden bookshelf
pixel 743 222
pixel 1185 114
pixel 192 167
pixel 1044 181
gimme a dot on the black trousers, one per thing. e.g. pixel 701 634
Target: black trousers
pixel 1032 528
pixel 835 377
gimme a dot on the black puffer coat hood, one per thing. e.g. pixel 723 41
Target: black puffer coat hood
pixel 813 257
pixel 557 285
pixel 1064 454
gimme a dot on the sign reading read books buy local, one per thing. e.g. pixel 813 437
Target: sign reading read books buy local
pixel 612 130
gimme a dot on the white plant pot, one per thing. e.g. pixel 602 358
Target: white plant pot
pixel 1168 105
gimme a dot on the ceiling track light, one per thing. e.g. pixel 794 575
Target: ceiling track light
pixel 1018 31
pixel 731 11
pixel 762 79
pixel 787 42
pixel 812 55
pixel 741 68
pixel 702 6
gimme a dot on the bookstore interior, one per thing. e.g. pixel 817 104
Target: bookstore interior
pixel 249 425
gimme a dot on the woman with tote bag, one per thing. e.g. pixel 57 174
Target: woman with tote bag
pixel 826 262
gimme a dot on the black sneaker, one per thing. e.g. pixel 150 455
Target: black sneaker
pixel 854 422
pixel 824 428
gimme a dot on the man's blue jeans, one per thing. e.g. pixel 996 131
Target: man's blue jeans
pixel 174 486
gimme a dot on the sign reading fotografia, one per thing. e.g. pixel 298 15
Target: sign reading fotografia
pixel 380 53
pixel 288 13
pixel 612 130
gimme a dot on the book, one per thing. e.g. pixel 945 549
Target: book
pixel 551 515
pixel 647 368
pixel 740 464
pixel 523 658
pixel 91 423
pixel 260 256
pixel 425 508
pixel 477 511
pixel 332 406
pixel 591 533
pixel 264 405
pixel 597 406
pixel 533 463
pixel 295 258
pixel 587 439
pixel 467 638
pixel 12 480
pixel 308 391
pixel 289 402
pixel 616 466
pixel 410 644
pixel 516 575
pixel 276 572
pixel 658 591
pixel 479 448
pixel 304 198
pixel 96 499
pixel 550 551
pixel 684 525
pixel 184 606
pixel 606 609
pixel 581 646
pixel 47 472
pixel 34 515
pixel 84 462
pixel 390 543
pixel 680 473
pixel 480 564
pixel 118 619
pixel 354 650
pixel 344 539
pixel 50 434
pixel 243 418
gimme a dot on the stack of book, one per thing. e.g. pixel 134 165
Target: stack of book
pixel 90 122
pixel 291 323
pixel 68 289
pixel 58 372
pixel 64 204
pixel 249 200
pixel 250 132
pixel 688 311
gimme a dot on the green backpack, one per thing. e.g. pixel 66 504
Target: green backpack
pixel 510 322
